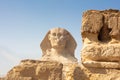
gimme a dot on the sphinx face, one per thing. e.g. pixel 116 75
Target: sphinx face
pixel 58 38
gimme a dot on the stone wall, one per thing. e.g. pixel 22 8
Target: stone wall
pixel 36 70
pixel 101 44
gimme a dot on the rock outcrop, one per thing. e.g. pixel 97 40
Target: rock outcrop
pixel 101 44
pixel 36 70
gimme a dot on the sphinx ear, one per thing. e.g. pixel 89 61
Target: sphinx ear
pixel 45 44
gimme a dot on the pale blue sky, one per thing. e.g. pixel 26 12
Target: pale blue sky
pixel 24 23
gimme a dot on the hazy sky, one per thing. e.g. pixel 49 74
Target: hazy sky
pixel 24 23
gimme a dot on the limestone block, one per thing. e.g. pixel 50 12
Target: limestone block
pixel 49 71
pixel 73 72
pixel 92 21
pixel 100 74
pixel 100 26
pixel 17 78
pixel 36 70
pixel 101 47
pixel 115 26
pixel 110 52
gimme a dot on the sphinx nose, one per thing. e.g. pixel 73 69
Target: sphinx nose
pixel 57 40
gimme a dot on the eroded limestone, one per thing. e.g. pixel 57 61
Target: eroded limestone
pixel 36 70
pixel 101 38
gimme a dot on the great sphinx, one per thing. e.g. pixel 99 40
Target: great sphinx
pixel 58 45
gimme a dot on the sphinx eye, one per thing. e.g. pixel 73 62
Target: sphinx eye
pixel 54 34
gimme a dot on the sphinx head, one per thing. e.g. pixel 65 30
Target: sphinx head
pixel 58 38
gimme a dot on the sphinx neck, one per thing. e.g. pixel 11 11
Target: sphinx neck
pixel 57 51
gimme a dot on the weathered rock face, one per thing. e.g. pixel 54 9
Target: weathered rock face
pixel 101 38
pixel 44 70
pixel 100 73
pixel 101 26
pixel 105 56
pixel 101 44
pixel 72 72
pixel 36 70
